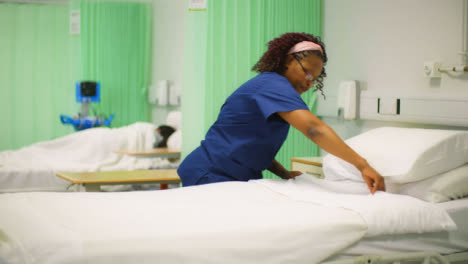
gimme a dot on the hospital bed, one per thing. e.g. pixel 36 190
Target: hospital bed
pixel 34 168
pixel 306 220
pixel 234 222
pixel 393 248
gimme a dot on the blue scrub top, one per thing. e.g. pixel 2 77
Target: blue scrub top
pixel 248 133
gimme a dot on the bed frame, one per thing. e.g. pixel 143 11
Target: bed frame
pixel 417 257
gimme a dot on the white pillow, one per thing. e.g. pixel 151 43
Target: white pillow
pixel 174 119
pixel 175 140
pixel 402 155
pixel 440 188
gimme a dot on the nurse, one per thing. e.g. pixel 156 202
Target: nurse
pixel 254 121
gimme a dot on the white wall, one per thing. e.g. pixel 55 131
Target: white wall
pixel 383 44
pixel 168 49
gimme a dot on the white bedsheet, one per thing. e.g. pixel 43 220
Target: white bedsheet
pixel 384 213
pixel 233 222
pixel 441 242
pixel 33 168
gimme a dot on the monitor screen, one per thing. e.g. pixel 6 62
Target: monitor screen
pixel 88 88
pixel 88 91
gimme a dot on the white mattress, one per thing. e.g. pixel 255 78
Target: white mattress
pixel 441 242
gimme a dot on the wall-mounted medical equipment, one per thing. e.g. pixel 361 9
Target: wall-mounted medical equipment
pixel 347 100
pixel 434 69
pixel 153 94
pixel 388 106
pixel 75 21
pixel 87 92
pixel 419 109
pixel 163 93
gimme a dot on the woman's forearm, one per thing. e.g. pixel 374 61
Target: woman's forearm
pixel 278 169
pixel 328 140
pixel 322 135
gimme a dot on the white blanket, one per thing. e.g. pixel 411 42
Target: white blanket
pixel 34 167
pixel 230 222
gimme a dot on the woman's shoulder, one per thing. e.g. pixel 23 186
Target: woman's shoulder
pixel 271 76
pixel 267 80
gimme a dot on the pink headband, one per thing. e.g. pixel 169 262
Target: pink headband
pixel 305 45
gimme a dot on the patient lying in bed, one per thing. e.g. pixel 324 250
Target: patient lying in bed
pixel 33 168
pixel 163 133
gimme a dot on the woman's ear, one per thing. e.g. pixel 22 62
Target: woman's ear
pixel 289 59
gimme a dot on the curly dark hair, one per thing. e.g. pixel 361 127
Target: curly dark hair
pixel 274 59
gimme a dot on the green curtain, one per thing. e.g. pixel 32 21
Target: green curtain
pixel 193 89
pixel 116 44
pixel 237 34
pixel 37 64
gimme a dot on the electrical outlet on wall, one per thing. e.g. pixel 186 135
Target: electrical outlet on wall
pixel 432 69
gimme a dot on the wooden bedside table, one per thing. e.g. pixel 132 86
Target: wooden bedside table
pixel 92 181
pixel 309 165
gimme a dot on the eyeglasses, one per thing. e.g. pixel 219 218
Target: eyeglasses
pixel 308 76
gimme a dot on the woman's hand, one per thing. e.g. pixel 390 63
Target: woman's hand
pixel 281 172
pixel 291 175
pixel 375 181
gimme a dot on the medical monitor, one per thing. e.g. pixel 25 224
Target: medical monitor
pixel 88 91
